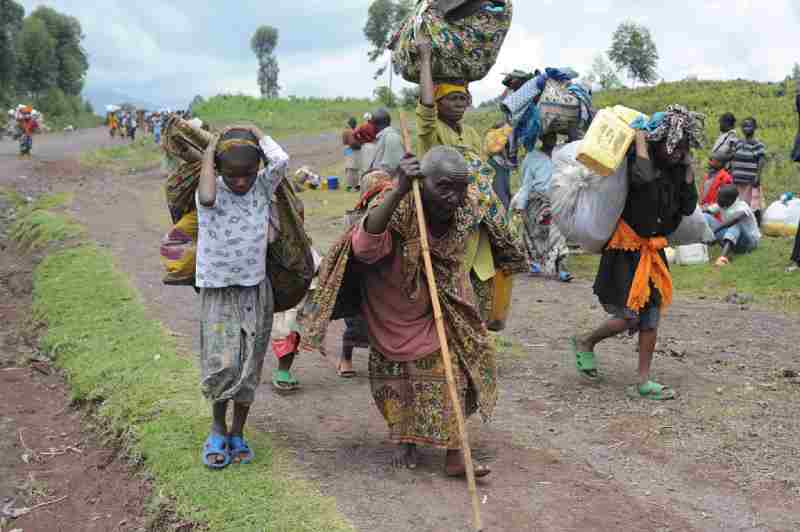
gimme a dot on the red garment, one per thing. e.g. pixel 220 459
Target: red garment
pixel 720 179
pixel 28 125
pixel 366 133
pixel 402 329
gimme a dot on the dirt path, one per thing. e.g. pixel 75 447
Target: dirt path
pixel 566 455
pixel 53 469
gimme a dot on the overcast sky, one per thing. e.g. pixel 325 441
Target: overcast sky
pixel 166 51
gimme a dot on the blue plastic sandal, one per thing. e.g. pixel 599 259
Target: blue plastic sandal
pixel 240 451
pixel 216 445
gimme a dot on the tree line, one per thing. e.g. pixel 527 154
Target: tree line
pixel 42 60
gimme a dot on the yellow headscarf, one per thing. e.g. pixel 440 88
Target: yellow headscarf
pixel 445 89
pixel 227 145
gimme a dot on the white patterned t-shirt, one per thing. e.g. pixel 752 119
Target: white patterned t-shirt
pixel 232 235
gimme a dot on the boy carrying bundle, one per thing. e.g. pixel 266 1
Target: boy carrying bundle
pixel 233 206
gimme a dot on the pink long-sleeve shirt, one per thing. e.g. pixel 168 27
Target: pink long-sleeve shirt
pixel 402 329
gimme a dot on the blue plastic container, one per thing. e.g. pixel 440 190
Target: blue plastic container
pixel 333 182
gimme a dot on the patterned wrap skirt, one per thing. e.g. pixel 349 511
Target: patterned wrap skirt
pixel 234 332
pixel 544 242
pixel 414 400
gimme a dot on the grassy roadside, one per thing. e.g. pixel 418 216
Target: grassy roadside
pixel 760 274
pixel 122 361
pixel 126 157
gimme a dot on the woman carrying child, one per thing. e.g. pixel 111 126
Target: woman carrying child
pixel 233 205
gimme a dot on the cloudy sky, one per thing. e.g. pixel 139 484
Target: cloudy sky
pixel 166 51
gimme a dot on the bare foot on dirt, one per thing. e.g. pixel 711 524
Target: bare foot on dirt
pixel 406 457
pixel 454 465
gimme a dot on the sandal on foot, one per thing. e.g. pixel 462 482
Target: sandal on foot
pixel 584 362
pixel 284 382
pixel 240 452
pixel 345 374
pixel 565 277
pixel 652 391
pixel 216 445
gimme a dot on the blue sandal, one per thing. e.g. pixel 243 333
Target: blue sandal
pixel 216 445
pixel 238 449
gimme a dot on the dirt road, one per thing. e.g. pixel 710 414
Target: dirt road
pixel 566 456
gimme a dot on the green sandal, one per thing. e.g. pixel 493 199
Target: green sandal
pixel 652 391
pixel 584 362
pixel 284 382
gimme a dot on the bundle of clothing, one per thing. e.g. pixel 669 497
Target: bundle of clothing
pixel 549 102
pixel 290 262
pixel 466 37
pixel 587 206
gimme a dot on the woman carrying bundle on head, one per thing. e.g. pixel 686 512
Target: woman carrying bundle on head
pixel 440 122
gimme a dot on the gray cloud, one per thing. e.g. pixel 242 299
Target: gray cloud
pixel 166 51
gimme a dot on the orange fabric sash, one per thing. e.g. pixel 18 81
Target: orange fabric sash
pixel 651 266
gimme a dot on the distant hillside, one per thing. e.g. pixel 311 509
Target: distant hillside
pixel 283 116
pixel 100 98
pixel 771 104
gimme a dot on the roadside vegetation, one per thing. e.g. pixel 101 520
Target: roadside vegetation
pixel 127 366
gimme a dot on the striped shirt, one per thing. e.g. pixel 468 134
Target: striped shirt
pixel 744 166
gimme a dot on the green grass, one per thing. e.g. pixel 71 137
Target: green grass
pixel 760 274
pixel 125 363
pixel 117 357
pixel 285 116
pixel 36 225
pixel 126 157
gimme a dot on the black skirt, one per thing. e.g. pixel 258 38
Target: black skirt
pixel 615 277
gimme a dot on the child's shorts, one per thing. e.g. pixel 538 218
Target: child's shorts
pixel 649 317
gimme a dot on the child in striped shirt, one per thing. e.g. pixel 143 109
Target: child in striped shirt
pixel 748 162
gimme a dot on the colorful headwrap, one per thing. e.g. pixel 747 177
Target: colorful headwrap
pixel 445 89
pixel 227 145
pixel 676 123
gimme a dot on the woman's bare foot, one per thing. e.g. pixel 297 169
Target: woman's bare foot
pixel 454 465
pixel 406 456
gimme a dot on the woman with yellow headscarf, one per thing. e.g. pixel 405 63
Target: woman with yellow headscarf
pixel 440 115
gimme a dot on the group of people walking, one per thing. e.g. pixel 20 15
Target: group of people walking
pixel 374 278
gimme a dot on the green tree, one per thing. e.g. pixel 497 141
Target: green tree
pixel 633 49
pixel 384 18
pixel 11 15
pixel 603 73
pixel 386 97
pixel 409 96
pixel 72 60
pixel 37 64
pixel 263 44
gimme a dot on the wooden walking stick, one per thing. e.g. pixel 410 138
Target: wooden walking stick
pixel 437 316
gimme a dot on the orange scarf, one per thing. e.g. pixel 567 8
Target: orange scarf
pixel 651 266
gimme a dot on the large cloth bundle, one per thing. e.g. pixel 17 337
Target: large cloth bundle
pixel 179 251
pixel 290 261
pixel 465 49
pixel 559 109
pixel 693 229
pixel 586 206
pixel 180 188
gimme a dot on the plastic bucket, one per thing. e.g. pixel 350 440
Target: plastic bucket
pixel 333 182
